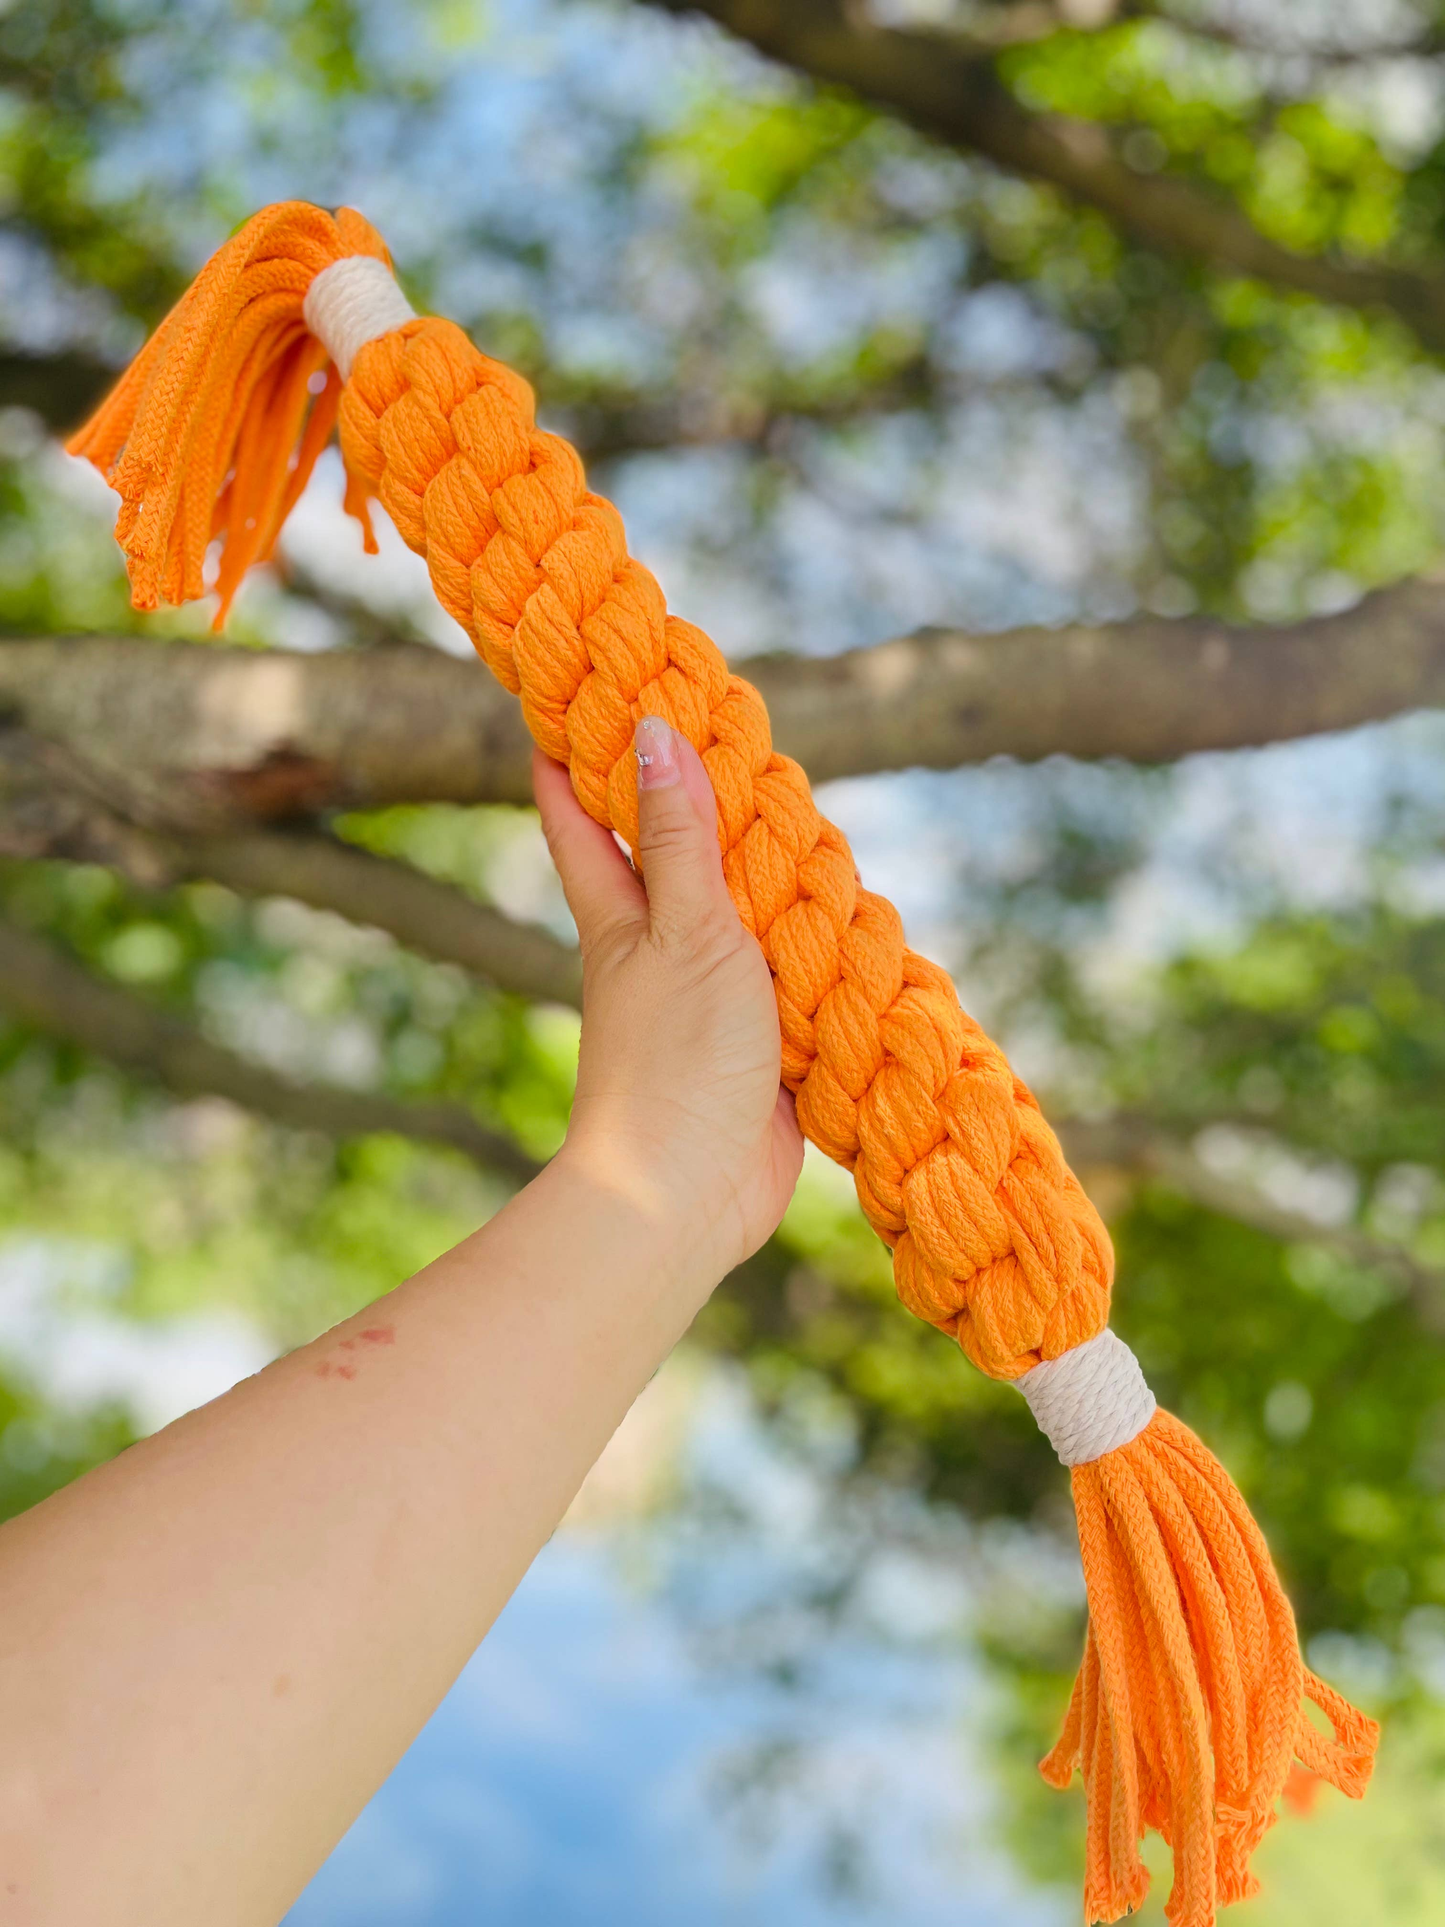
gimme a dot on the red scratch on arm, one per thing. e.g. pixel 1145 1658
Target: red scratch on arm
pixel 372 1335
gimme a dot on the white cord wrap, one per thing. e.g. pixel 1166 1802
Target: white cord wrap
pixel 1090 1401
pixel 352 302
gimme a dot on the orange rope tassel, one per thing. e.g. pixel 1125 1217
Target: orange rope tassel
pixel 1189 1710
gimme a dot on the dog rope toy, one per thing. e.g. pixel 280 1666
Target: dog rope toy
pixel 1189 1708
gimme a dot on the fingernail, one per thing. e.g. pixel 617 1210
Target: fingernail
pixel 656 747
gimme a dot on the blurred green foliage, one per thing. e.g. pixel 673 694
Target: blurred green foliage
pixel 42 1450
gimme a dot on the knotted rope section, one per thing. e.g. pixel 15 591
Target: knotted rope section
pixel 1190 1705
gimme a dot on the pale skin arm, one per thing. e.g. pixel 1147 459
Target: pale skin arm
pixel 214 1649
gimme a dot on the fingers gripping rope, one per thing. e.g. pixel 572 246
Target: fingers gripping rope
pixel 1188 1709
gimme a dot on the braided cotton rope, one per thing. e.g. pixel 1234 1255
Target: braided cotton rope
pixel 992 1235
pixel 1188 1708
pixel 1088 1402
pixel 1046 1227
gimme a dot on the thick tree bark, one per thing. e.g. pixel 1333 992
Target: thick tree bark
pixel 203 740
pixel 195 740
pixel 946 87
pixel 1149 691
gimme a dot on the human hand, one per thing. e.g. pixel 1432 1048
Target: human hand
pixel 678 1103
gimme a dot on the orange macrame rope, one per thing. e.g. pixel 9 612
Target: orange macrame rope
pixel 1189 1707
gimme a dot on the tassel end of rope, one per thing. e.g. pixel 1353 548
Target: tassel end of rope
pixel 1188 1715
pixel 212 432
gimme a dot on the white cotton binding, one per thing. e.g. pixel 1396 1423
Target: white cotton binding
pixel 352 302
pixel 1090 1401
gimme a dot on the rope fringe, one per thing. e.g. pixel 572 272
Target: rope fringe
pixel 1188 1713
pixel 215 427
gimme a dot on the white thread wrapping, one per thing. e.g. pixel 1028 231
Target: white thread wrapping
pixel 1090 1401
pixel 352 302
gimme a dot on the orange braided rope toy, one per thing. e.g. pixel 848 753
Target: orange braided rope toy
pixel 1189 1708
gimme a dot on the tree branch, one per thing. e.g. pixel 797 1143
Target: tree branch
pixel 1134 1143
pixel 41 816
pixel 201 740
pixel 46 809
pixel 195 740
pixel 44 987
pixel 427 916
pixel 1149 690
pixel 949 90
pixel 1315 46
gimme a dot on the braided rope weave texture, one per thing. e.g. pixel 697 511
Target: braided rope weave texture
pixel 992 1235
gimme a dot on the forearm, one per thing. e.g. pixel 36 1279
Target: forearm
pixel 214 1649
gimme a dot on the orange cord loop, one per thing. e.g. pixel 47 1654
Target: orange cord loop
pixel 1189 1707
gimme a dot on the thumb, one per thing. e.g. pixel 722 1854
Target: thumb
pixel 677 833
